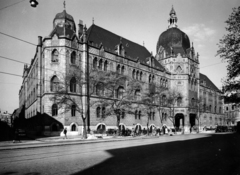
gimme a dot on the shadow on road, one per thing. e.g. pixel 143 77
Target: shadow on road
pixel 218 154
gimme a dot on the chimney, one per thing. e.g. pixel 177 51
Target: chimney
pixel 39 41
pixel 80 28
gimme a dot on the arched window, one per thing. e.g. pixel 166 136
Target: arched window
pixel 153 79
pixel 120 92
pixel 133 74
pixel 118 69
pixel 136 114
pixel 179 101
pixel 73 57
pixel 100 66
pixel 73 110
pixel 54 84
pixel 54 110
pixel 137 75
pixel 73 128
pixel 164 100
pixel 95 63
pixel 99 89
pixel 73 85
pixel 122 71
pixel 139 115
pixel 153 115
pixel 123 113
pixel 150 115
pixel 98 110
pixel 55 55
pixel 105 66
pixel 150 79
pixel 103 112
pixel 166 83
pixel 140 78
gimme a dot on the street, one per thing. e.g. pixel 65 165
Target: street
pixel 198 154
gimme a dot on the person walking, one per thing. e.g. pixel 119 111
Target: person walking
pixel 65 133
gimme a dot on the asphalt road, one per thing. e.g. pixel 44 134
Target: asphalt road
pixel 201 154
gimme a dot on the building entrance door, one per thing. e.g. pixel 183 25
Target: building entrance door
pixel 179 121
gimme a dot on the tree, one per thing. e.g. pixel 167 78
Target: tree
pixel 229 50
pixel 118 95
pixel 173 97
pixel 200 110
pixel 68 92
pixel 148 102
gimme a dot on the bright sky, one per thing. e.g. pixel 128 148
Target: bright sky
pixel 137 20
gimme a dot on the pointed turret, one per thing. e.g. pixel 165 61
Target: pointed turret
pixel 173 19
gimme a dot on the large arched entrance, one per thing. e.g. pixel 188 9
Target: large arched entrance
pixel 179 121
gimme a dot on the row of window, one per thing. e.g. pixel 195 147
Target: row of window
pixel 54 84
pixel 55 110
pixel 73 56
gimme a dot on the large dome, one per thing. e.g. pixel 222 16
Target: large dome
pixel 174 38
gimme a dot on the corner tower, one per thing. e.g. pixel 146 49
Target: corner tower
pixel 176 54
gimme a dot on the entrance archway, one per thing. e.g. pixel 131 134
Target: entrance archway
pixel 179 120
pixel 101 128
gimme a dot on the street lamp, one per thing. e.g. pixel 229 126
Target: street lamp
pixel 33 3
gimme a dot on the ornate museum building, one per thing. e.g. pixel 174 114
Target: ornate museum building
pixel 175 66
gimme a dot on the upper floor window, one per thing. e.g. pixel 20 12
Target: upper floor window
pixel 122 70
pixel 140 78
pixel 139 114
pixel 54 110
pixel 73 84
pixel 99 89
pixel 137 75
pixel 138 94
pixel 98 110
pixel 179 101
pixel 133 74
pixel 103 112
pixel 73 57
pixel 73 110
pixel 120 92
pixel 100 66
pixel 55 55
pixel 95 63
pixel 118 69
pixel 54 84
pixel 105 66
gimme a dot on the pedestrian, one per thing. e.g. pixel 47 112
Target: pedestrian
pixel 163 130
pixel 65 133
pixel 16 136
pixel 133 131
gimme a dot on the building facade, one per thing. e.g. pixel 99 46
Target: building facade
pixel 175 66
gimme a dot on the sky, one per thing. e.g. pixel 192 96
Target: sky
pixel 140 21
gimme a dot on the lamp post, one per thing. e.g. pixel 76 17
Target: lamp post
pixel 33 3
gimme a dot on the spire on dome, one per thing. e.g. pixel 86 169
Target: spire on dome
pixel 64 5
pixel 173 19
pixel 172 11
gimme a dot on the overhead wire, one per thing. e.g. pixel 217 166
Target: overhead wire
pixel 11 5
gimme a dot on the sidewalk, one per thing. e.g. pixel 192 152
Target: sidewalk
pixel 59 141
